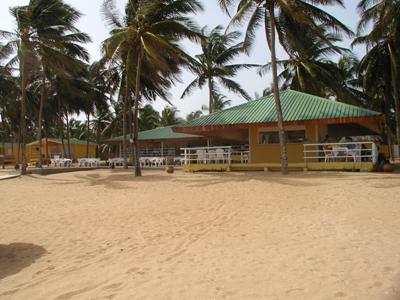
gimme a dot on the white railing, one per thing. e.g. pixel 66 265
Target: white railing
pixel 335 152
pixel 242 152
pixel 395 154
pixel 157 152
pixel 154 152
pixel 207 155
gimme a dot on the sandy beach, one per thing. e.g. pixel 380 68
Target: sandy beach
pixel 107 235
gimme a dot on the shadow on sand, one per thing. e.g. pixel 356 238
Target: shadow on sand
pixel 117 178
pixel 17 256
pixel 122 179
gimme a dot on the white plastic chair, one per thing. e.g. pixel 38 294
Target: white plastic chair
pixel 220 155
pixel 201 156
pixel 212 155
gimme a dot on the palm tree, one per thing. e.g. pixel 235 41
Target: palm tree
pixel 149 118
pixel 308 68
pixel 220 102
pixel 287 19
pixel 8 95
pixel 375 72
pixel 169 116
pixel 56 40
pixel 99 86
pixel 146 44
pixel 27 62
pixel 350 81
pixel 214 64
pixel 47 42
pixel 194 115
pixel 383 43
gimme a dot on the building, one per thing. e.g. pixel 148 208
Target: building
pixel 160 141
pixel 55 148
pixel 313 126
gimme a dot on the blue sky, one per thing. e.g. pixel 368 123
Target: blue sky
pixel 93 24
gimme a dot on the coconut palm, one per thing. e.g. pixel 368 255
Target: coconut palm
pixel 99 87
pixel 383 43
pixel 194 115
pixel 145 43
pixel 220 102
pixel 350 81
pixel 47 42
pixel 287 19
pixel 308 68
pixel 169 116
pixel 56 40
pixel 214 65
pixel 27 62
pixel 149 118
pixel 8 93
pixel 375 71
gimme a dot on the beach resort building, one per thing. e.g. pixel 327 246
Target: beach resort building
pixel 321 134
pixel 55 148
pixel 160 141
pixel 8 151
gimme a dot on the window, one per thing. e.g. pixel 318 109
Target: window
pixel 272 137
pixel 296 136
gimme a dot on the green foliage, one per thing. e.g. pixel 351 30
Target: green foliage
pixel 213 66
pixel 169 116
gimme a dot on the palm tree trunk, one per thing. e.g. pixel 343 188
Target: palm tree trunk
pixel 131 125
pixel 87 134
pixel 397 114
pixel 19 146
pixel 388 130
pixel 68 136
pixel 3 142
pixel 282 138
pixel 125 105
pixel 138 171
pixel 395 85
pixel 40 117
pixel 46 136
pixel 12 147
pixel 210 95
pixel 23 120
pixel 61 126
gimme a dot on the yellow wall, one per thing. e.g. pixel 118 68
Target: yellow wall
pixel 10 152
pixel 77 150
pixel 270 153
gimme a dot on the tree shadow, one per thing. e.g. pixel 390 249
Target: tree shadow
pixel 17 256
pixel 117 179
pixel 122 179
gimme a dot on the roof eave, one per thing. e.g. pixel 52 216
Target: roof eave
pixel 207 128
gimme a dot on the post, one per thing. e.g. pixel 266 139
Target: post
pixel 162 149
pixel 374 153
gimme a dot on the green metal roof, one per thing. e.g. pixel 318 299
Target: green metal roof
pixel 58 141
pixel 296 106
pixel 160 133
pixel 7 144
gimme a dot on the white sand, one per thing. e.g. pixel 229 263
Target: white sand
pixel 106 235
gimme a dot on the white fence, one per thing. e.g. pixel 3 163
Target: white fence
pixel 152 152
pixel 157 152
pixel 395 153
pixel 334 152
pixel 207 155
